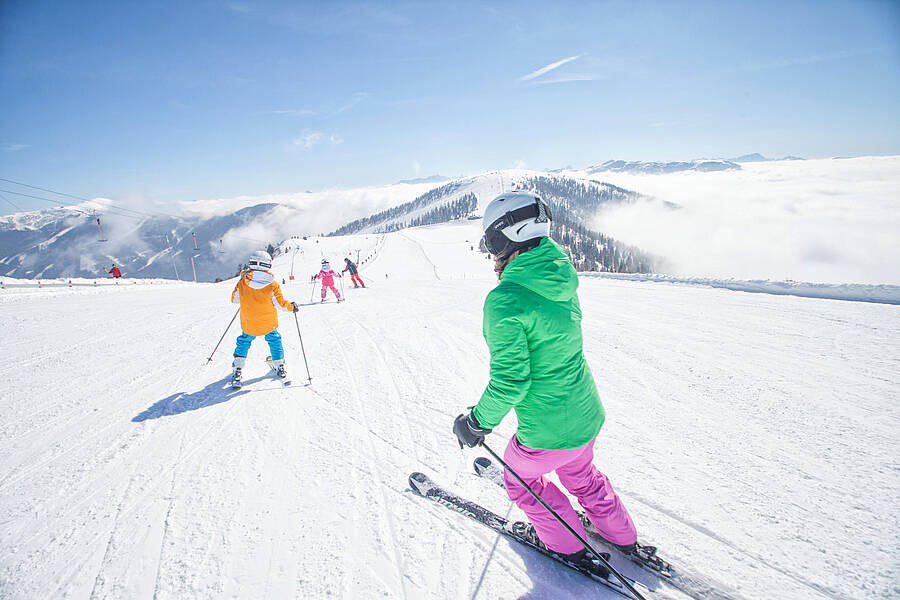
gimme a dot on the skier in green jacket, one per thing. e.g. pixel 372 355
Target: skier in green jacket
pixel 532 325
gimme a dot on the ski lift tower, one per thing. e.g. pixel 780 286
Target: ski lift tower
pixel 196 247
pixel 102 239
pixel 296 249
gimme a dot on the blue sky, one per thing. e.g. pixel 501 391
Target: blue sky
pixel 172 101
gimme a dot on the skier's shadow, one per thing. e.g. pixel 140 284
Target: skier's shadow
pixel 181 402
pixel 552 580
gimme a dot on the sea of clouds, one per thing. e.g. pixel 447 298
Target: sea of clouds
pixel 822 220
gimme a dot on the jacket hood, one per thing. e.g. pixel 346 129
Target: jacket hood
pixel 544 270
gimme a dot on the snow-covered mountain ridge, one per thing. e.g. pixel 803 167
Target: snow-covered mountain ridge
pixel 574 202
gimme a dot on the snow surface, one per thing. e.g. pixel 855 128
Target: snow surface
pixel 752 436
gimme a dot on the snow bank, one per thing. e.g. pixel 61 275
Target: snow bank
pixel 854 292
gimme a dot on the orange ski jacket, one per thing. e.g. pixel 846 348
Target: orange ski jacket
pixel 259 295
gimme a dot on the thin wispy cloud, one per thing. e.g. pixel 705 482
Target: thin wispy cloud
pixel 785 62
pixel 568 78
pixel 546 69
pixel 294 112
pixel 13 147
pixel 356 99
pixel 310 139
pixel 239 8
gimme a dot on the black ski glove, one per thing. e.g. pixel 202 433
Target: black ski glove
pixel 296 308
pixel 469 431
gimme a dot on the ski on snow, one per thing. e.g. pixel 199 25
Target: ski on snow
pixel 645 556
pixel 425 487
pixel 284 382
pixel 238 384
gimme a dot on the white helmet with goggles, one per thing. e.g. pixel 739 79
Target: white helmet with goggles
pixel 513 221
pixel 260 261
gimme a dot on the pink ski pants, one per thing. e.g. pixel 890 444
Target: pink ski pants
pixel 582 479
pixel 331 287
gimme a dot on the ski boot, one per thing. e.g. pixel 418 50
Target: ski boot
pixel 279 368
pixel 581 559
pixel 588 561
pixel 642 555
pixel 238 365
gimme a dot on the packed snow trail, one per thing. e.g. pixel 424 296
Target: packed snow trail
pixel 753 437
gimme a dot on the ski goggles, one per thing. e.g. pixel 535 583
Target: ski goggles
pixel 496 242
pixel 257 263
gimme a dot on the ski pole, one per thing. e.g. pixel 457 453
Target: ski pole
pixel 297 321
pixel 341 277
pixel 562 521
pixel 313 293
pixel 223 335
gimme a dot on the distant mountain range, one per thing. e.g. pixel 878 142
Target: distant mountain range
pixel 429 179
pixel 640 167
pixel 655 168
pixel 757 157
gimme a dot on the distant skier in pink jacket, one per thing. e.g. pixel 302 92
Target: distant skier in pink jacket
pixel 327 276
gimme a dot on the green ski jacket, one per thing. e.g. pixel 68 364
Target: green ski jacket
pixel 532 325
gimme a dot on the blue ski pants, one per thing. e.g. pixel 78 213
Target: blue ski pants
pixel 273 337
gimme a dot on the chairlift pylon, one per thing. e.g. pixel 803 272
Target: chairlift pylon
pixel 102 239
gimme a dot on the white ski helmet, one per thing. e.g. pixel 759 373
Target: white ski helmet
pixel 513 221
pixel 260 261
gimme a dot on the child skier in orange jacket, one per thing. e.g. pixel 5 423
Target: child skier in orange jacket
pixel 259 295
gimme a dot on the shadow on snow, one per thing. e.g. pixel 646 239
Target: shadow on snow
pixel 181 402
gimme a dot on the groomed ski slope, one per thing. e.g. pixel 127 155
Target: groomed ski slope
pixel 752 436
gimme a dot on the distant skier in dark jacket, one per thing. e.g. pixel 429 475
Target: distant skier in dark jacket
pixel 532 325
pixel 354 275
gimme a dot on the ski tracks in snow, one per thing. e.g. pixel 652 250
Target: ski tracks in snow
pixel 373 464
